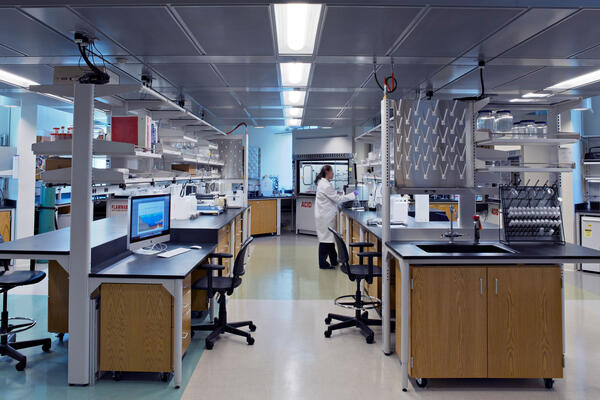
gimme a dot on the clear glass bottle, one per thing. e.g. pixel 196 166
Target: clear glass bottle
pixel 503 122
pixel 528 127
pixel 541 129
pixel 485 120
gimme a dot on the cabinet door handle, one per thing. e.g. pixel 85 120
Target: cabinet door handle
pixel 481 286
pixel 496 286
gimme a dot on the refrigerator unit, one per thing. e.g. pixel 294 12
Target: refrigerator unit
pixel 590 237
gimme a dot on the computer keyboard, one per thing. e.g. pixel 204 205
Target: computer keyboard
pixel 174 252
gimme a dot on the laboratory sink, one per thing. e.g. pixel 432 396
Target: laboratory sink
pixel 463 248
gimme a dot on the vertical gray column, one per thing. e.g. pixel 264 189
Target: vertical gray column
pixel 81 219
pixel 385 220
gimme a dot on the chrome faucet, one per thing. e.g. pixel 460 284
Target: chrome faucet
pixel 451 235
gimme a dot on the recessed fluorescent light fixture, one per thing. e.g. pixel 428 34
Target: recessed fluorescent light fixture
pixel 16 80
pixel 294 74
pixel 533 95
pixel 296 25
pixel 294 97
pixel 60 98
pixel 293 112
pixel 259 127
pixel 293 122
pixel 522 100
pixel 578 81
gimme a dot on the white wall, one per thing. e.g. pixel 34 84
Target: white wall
pixel 321 141
pixel 275 152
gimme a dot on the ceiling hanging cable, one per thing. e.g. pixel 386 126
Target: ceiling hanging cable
pixel 237 126
pixel 390 82
pixel 481 66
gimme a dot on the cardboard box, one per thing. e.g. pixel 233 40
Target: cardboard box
pixel 137 130
pixel 64 75
pixel 57 163
pixel 185 168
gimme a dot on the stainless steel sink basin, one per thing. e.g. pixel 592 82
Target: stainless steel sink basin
pixel 463 248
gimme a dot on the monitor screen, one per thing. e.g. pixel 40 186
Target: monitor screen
pixel 149 217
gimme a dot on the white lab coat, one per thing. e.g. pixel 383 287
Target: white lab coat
pixel 326 209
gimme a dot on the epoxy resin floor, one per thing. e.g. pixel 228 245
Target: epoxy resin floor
pixel 287 297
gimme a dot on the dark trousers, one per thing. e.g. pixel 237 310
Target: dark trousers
pixel 327 250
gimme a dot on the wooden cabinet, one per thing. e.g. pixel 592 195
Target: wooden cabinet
pixel 58 298
pixel 524 322
pixel 264 216
pixel 239 234
pixel 136 326
pixel 448 322
pixel 477 321
pixel 5 226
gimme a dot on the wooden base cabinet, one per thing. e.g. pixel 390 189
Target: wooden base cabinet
pixel 264 217
pixel 486 322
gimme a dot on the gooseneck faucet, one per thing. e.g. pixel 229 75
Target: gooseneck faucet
pixel 451 235
pixel 476 228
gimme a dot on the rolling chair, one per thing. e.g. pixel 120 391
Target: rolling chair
pixel 223 285
pixel 8 345
pixel 359 302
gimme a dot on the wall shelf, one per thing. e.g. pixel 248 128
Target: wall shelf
pixel 485 138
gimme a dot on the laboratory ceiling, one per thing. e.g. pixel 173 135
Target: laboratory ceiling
pixel 222 56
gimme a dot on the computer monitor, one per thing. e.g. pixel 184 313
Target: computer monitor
pixel 149 220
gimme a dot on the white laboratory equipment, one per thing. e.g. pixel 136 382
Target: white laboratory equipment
pixel 590 237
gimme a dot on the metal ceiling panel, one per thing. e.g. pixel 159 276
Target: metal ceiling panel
pixel 249 75
pixel 67 22
pixel 230 30
pixel 6 52
pixel 210 98
pixel 145 31
pixel 527 25
pixel 342 122
pixel 409 76
pixel 259 99
pixel 28 36
pixel 266 112
pixel 327 99
pixel 363 30
pixel 565 39
pixel 42 74
pixel 189 75
pixel 449 32
pixel 340 75
pixel 360 114
pixel 446 75
pixel 545 77
pixel 229 112
pixel 493 76
pixel 371 98
pixel 313 113
pixel 270 122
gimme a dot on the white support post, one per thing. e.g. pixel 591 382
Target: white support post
pixel 81 219
pixel 26 168
pixel 385 222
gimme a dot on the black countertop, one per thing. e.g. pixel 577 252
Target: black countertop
pixel 130 265
pixel 362 217
pixel 58 242
pixel 523 251
pixel 583 208
pixel 208 221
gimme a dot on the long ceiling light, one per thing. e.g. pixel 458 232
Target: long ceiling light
pixel 294 97
pixel 296 26
pixel 293 122
pixel 16 80
pixel 293 112
pixel 294 74
pixel 533 95
pixel 576 82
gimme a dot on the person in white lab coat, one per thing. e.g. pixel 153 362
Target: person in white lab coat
pixel 325 211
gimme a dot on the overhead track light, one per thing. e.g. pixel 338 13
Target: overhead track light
pixel 296 26
pixel 16 80
pixel 576 82
pixel 294 74
pixel 294 97
pixel 533 95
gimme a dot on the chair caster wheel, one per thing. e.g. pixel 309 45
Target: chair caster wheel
pixel 61 337
pixel 116 376
pixel 327 333
pixel 421 382
pixel 215 320
pixel 21 365
pixel 165 376
pixel 192 333
pixel 327 321
pixel 371 339
pixel 46 348
pixel 250 341
pixel 209 345
pixel 365 315
pixel 548 383
pixel 252 327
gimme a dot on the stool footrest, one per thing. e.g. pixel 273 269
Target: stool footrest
pixel 12 329
pixel 368 302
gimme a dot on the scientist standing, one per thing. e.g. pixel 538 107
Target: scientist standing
pixel 326 204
